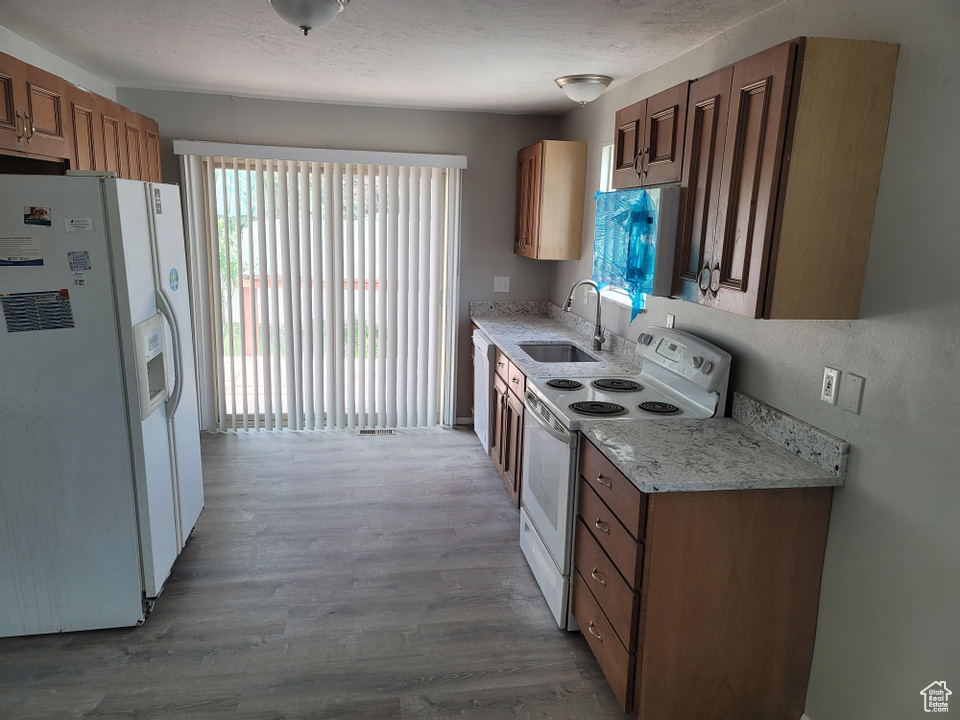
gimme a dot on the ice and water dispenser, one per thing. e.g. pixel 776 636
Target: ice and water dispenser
pixel 151 374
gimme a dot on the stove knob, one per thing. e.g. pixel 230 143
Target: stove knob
pixel 697 361
pixel 707 367
pixel 645 338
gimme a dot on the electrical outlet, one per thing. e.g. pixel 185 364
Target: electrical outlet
pixel 828 388
pixel 501 284
pixel 671 320
pixel 851 397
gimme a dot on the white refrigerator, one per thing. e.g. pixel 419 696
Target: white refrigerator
pixel 100 475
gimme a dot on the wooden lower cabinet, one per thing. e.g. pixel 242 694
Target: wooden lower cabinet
pixel 506 423
pixel 716 614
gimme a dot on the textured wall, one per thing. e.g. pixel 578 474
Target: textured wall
pixel 489 141
pixel 888 622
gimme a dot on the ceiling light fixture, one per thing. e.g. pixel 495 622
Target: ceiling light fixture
pixel 583 88
pixel 309 14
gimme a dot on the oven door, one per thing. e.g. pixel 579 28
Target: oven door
pixel 547 490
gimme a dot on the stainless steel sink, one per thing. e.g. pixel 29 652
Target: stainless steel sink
pixel 556 353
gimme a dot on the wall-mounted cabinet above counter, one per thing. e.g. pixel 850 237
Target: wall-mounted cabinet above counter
pixel 648 145
pixel 45 118
pixel 551 177
pixel 780 176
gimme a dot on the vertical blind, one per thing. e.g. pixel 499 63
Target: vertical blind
pixel 330 291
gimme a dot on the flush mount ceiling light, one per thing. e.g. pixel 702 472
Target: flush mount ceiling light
pixel 309 14
pixel 583 88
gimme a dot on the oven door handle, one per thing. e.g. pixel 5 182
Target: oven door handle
pixel 532 410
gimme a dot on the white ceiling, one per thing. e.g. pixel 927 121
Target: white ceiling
pixel 496 56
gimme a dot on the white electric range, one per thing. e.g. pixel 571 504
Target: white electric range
pixel 681 376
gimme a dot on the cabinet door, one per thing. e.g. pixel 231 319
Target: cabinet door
pixel 513 446
pixel 751 169
pixel 133 138
pixel 47 126
pixel 661 158
pixel 706 128
pixel 112 134
pixel 87 152
pixel 151 148
pixel 12 129
pixel 529 163
pixel 628 143
pixel 497 420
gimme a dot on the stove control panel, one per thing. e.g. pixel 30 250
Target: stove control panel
pixel 685 355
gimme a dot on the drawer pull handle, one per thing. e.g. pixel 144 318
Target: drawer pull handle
pixel 601 526
pixel 606 483
pixel 594 632
pixel 515 380
pixel 597 577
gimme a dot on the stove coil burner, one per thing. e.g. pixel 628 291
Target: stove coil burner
pixel 562 384
pixel 597 408
pixel 617 385
pixel 659 408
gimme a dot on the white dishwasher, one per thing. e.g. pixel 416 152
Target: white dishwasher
pixel 483 351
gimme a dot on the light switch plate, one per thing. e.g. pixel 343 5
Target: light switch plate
pixel 501 284
pixel 851 393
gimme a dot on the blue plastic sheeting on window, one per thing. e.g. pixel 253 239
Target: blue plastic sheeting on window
pixel 624 243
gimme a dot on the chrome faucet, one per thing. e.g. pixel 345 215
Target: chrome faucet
pixel 598 337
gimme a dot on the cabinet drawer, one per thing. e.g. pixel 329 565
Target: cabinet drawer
pixel 618 602
pixel 615 661
pixel 625 552
pixel 518 381
pixel 620 495
pixel 502 367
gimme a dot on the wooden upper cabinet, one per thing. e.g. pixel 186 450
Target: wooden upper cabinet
pixel 627 145
pixel 45 117
pixel 648 142
pixel 551 177
pixel 528 200
pixel 85 123
pixel 805 128
pixel 114 138
pixel 12 128
pixel 662 154
pixel 151 146
pixel 133 153
pixel 700 187
pixel 33 114
pixel 751 167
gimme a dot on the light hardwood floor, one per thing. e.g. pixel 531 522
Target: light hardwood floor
pixel 330 576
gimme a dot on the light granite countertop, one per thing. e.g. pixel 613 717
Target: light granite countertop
pixel 701 455
pixel 758 447
pixel 507 332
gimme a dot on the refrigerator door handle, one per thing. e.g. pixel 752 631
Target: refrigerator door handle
pixel 163 305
